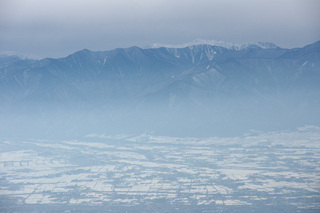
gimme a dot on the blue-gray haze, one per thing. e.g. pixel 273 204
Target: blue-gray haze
pixel 199 90
pixel 59 28
pixel 106 121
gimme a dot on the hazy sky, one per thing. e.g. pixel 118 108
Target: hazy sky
pixel 56 28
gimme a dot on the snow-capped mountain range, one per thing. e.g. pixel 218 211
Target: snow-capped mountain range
pixel 211 84
pixel 219 43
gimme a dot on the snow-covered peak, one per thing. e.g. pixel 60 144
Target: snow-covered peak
pixel 219 43
pixel 228 45
pixel 21 56
pixel 262 45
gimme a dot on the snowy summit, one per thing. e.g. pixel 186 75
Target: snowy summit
pixel 219 43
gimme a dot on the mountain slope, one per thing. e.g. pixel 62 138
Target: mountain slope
pixel 200 87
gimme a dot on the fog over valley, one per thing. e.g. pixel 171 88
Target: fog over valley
pixel 160 106
pixel 201 127
pixel 197 90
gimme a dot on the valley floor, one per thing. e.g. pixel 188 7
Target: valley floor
pixel 266 172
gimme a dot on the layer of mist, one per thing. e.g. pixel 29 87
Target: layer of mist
pixel 198 91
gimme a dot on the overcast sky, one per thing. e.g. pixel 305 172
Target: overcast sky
pixel 57 28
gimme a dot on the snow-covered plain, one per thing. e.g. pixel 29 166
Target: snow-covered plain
pixel 268 172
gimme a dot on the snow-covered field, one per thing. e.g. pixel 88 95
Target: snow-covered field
pixel 267 172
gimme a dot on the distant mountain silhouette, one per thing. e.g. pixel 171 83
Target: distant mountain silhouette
pixel 212 89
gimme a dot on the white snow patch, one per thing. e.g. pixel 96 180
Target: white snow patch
pixel 304 63
pixel 105 59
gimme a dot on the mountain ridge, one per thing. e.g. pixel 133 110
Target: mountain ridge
pixel 204 84
pixel 219 43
